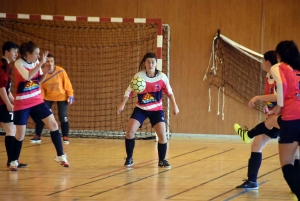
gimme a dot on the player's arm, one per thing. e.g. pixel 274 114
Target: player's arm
pixel 44 72
pixel 11 98
pixel 27 75
pixel 122 105
pixel 175 107
pixel 68 87
pixel 6 100
pixel 268 97
pixel 42 77
pixel 128 93
pixel 281 86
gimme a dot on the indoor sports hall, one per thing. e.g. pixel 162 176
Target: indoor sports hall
pixel 212 53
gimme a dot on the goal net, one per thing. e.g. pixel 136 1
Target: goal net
pixel 100 56
pixel 235 70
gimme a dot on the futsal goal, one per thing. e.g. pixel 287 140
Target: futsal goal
pixel 100 56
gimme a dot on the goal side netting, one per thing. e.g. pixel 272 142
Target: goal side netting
pixel 100 56
pixel 236 71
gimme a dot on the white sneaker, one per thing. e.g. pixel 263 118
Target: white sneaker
pixel 13 166
pixel 62 160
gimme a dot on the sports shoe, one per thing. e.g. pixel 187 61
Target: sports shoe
pixel 128 162
pixel 243 133
pixel 13 166
pixel 248 185
pixel 36 139
pixel 65 140
pixel 164 164
pixel 20 164
pixel 62 160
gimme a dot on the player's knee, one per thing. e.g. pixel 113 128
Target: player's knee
pixel 53 126
pixel 63 118
pixel 20 135
pixel 130 134
pixel 162 138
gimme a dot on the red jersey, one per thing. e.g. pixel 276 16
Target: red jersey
pixel 288 91
pixel 5 81
pixel 28 92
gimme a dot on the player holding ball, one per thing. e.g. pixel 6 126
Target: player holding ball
pixel 149 105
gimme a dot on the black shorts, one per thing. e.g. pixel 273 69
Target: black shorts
pixel 289 131
pixel 154 116
pixel 37 112
pixel 5 115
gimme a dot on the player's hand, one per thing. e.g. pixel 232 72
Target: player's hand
pixel 120 108
pixel 251 102
pixel 175 110
pixel 44 57
pixel 47 68
pixel 266 110
pixel 276 109
pixel 10 107
pixel 71 100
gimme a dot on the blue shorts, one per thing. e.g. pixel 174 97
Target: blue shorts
pixel 6 116
pixel 38 112
pixel 154 116
pixel 289 131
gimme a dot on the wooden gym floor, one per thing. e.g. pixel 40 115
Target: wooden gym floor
pixel 203 168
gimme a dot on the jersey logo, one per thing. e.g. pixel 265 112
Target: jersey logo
pixel 30 85
pixel 148 98
pixel 157 87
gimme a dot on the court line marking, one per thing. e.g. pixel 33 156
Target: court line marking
pixel 244 191
pixel 120 173
pixel 212 180
pixel 257 177
pixel 136 166
pixel 160 173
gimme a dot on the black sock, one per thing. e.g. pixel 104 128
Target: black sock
pixel 254 165
pixel 162 150
pixel 56 139
pixel 16 150
pixel 292 179
pixel 258 129
pixel 297 165
pixel 9 145
pixel 129 144
pixel 64 128
pixel 39 126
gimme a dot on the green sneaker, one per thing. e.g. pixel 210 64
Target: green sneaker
pixel 243 133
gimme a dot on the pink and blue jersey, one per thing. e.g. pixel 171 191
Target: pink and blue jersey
pixel 151 98
pixel 288 90
pixel 28 92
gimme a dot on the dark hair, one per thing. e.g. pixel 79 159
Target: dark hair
pixel 146 56
pixel 51 56
pixel 8 45
pixel 27 47
pixel 289 53
pixel 271 57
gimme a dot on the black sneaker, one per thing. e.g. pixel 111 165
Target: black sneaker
pixel 128 162
pixel 248 185
pixel 164 164
pixel 20 164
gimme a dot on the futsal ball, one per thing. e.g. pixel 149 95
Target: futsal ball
pixel 138 84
